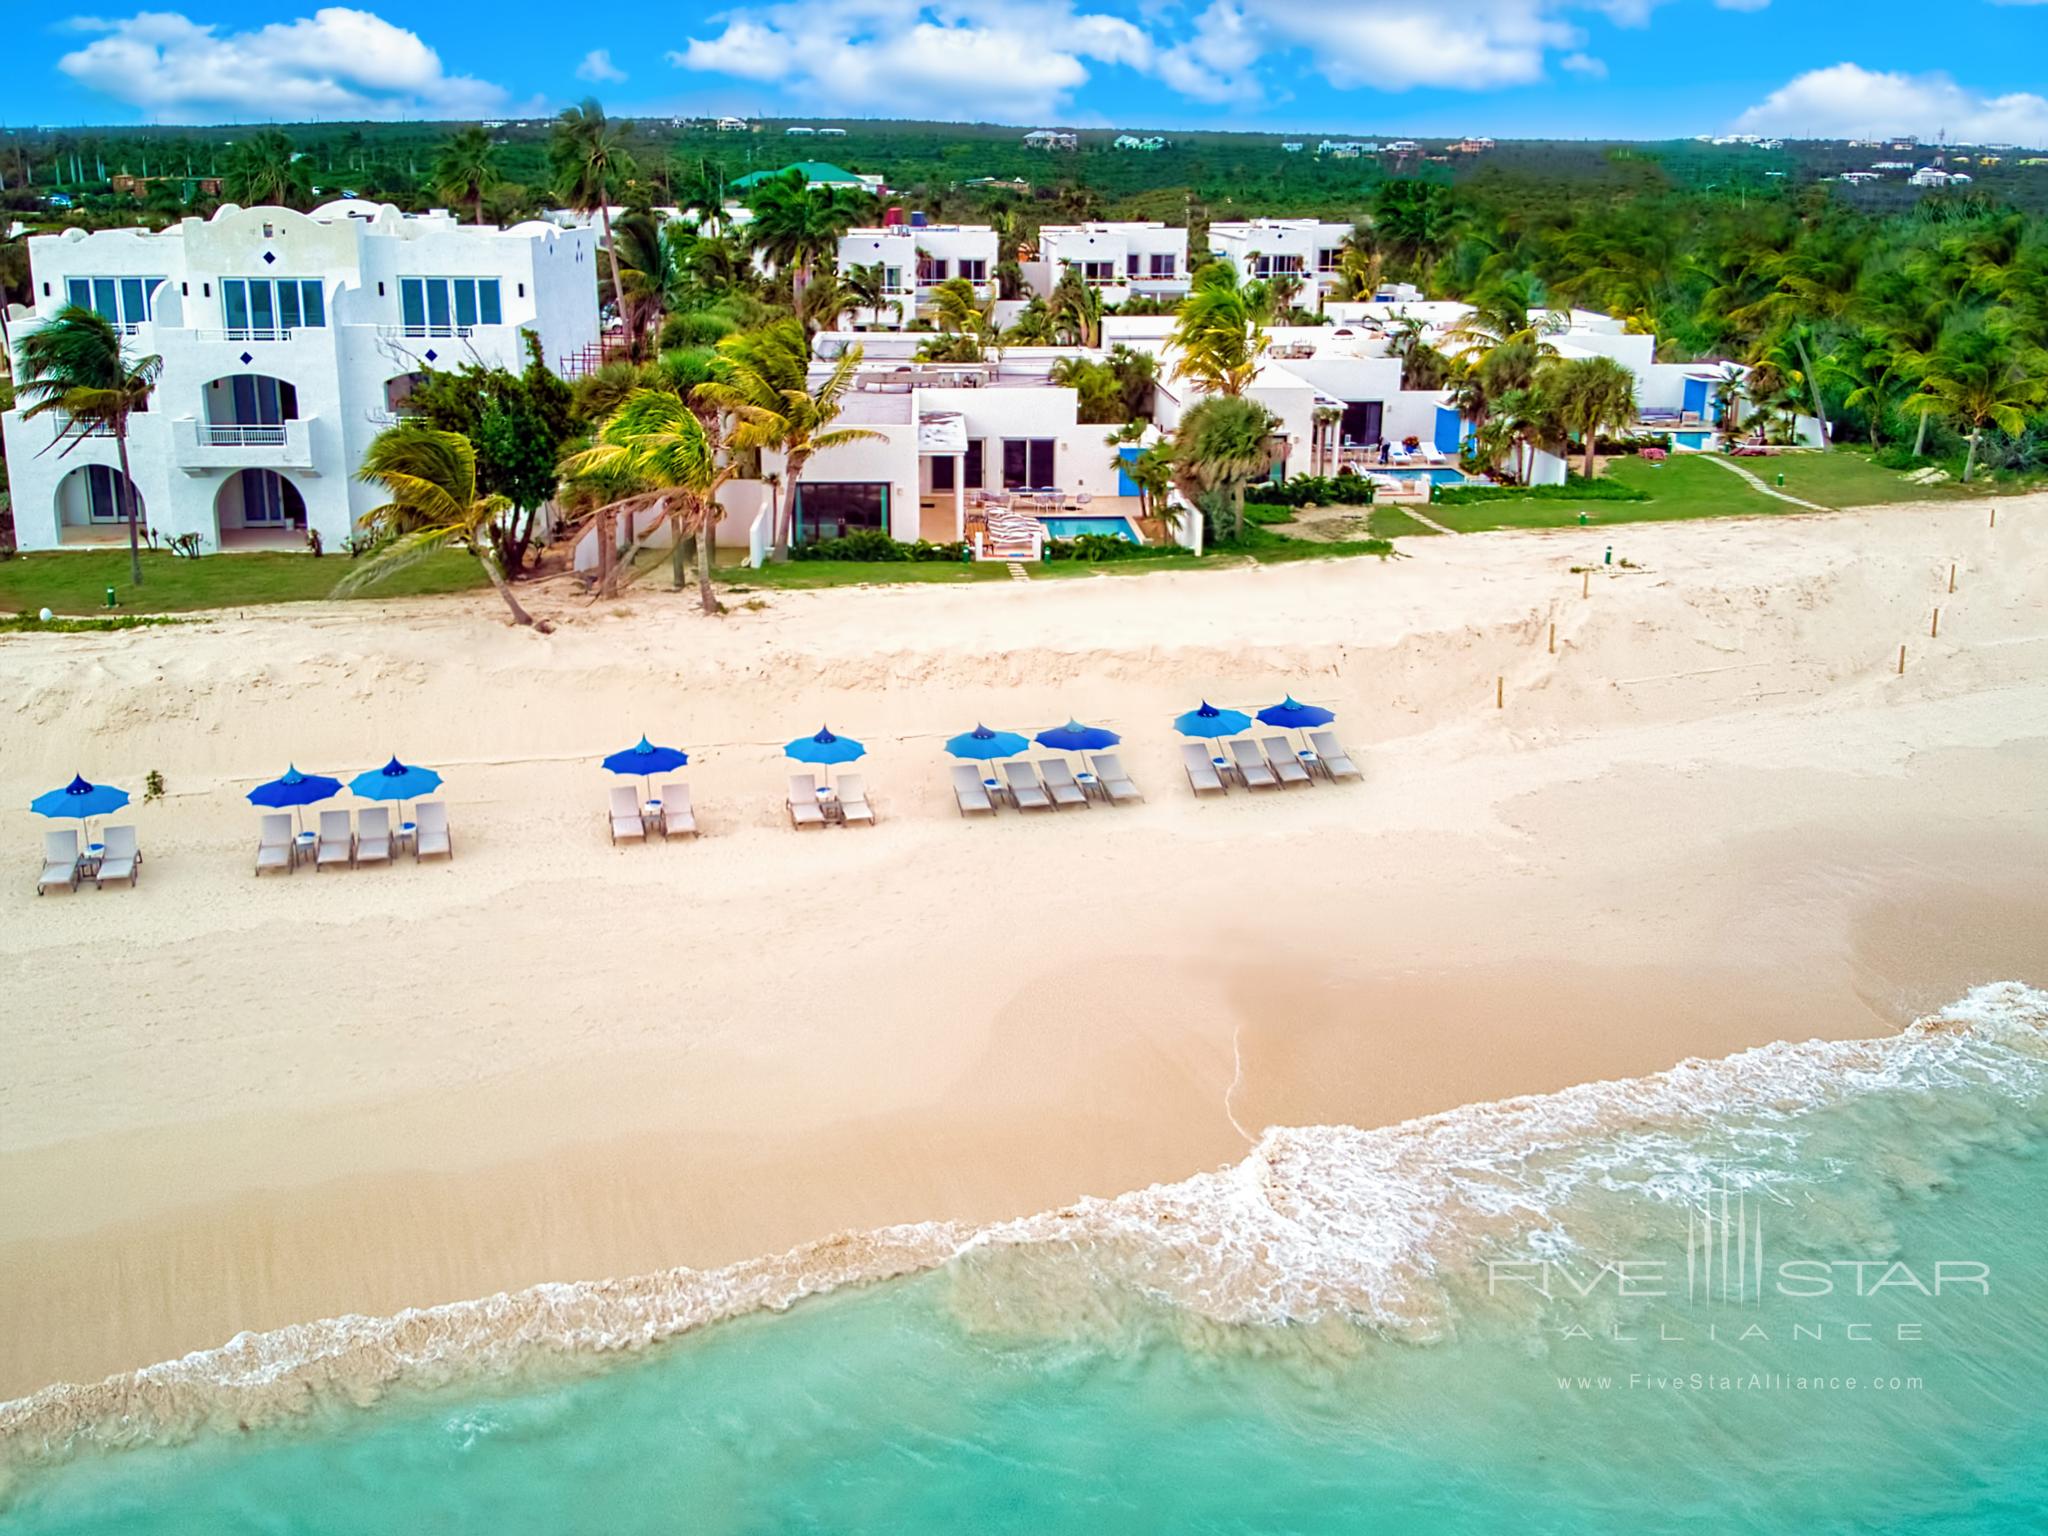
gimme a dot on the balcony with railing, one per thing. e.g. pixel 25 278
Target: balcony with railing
pixel 199 445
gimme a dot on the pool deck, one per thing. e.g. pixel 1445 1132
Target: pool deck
pixel 935 514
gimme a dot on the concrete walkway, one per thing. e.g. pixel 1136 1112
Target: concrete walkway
pixel 1769 490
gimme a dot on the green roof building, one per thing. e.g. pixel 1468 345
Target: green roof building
pixel 817 171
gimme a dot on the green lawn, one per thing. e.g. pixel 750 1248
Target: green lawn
pixel 795 574
pixel 1847 477
pixel 1393 522
pixel 76 580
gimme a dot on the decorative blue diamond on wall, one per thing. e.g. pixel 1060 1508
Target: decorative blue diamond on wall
pixel 432 354
pixel 247 358
pixel 269 257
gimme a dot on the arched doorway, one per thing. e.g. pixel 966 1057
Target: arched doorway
pixel 398 392
pixel 259 509
pixel 89 507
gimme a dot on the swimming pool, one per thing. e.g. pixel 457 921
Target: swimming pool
pixel 1436 474
pixel 1693 440
pixel 1074 527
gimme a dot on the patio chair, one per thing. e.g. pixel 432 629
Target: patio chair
pixel 274 844
pixel 1336 761
pixel 1202 774
pixel 1280 754
pixel 337 841
pixel 373 836
pixel 1252 766
pixel 969 793
pixel 804 810
pixel 627 822
pixel 853 799
pixel 1025 790
pixel 1109 773
pixel 60 861
pixel 1060 784
pixel 120 860
pixel 430 834
pixel 676 815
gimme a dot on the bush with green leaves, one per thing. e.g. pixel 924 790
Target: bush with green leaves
pixel 873 545
pixel 1097 547
pixel 1342 490
pixel 1576 488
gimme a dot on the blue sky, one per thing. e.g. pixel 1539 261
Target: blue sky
pixel 1617 68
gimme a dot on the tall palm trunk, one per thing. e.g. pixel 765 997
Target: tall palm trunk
pixel 128 501
pixel 1920 436
pixel 607 551
pixel 1970 458
pixel 611 251
pixel 785 506
pixel 479 202
pixel 1820 414
pixel 675 549
pixel 707 534
pixel 519 614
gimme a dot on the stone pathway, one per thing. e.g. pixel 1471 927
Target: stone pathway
pixel 1017 572
pixel 1769 490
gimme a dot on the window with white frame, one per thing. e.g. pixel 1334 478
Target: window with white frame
pixel 1288 266
pixel 1329 258
pixel 448 306
pixel 1162 264
pixel 974 269
pixel 264 308
pixel 123 300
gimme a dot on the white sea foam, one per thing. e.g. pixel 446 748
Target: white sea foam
pixel 1316 1223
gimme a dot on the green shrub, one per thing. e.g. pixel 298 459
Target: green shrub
pixel 1575 488
pixel 1097 547
pixel 872 545
pixel 1266 515
pixel 1346 489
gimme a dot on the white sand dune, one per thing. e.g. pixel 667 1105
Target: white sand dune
pixel 1715 816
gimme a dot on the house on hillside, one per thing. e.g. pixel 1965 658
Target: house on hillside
pixel 288 341
pixel 1051 138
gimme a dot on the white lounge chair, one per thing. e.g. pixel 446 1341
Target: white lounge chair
pixel 431 833
pixel 853 799
pixel 1202 774
pixel 969 792
pixel 627 822
pixel 1281 756
pixel 373 836
pixel 1025 790
pixel 60 861
pixel 120 859
pixel 804 810
pixel 1251 764
pixel 676 816
pixel 1336 761
pixel 1109 773
pixel 337 841
pixel 1060 783
pixel 274 844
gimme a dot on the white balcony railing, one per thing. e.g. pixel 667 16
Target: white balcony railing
pixel 455 331
pixel 245 333
pixel 198 446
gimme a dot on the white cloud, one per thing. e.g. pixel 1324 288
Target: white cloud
pixel 1849 101
pixel 1584 64
pixel 1757 5
pixel 970 58
pixel 597 66
pixel 1392 45
pixel 336 63
pixel 1215 63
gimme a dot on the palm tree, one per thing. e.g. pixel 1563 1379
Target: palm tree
pixel 431 478
pixel 763 381
pixel 1224 443
pixel 657 443
pixel 1218 333
pixel 1031 326
pixel 264 170
pixel 645 265
pixel 866 288
pixel 965 318
pixel 702 186
pixel 1076 310
pixel 588 152
pixel 1992 383
pixel 77 365
pixel 1359 262
pixel 1811 284
pixel 1418 222
pixel 799 225
pixel 1591 393
pixel 465 168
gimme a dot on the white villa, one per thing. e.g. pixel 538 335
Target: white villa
pixel 1118 259
pixel 916 257
pixel 287 340
pixel 1307 249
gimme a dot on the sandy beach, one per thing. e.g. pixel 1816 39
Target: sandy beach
pixel 1715 816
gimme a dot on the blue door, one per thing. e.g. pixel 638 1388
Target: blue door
pixel 1126 456
pixel 1446 437
pixel 1696 396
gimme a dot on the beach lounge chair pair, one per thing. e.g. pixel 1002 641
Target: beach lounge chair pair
pixel 63 864
pixel 1109 772
pixel 1267 767
pixel 846 804
pixel 671 816
pixel 340 842
pixel 1268 764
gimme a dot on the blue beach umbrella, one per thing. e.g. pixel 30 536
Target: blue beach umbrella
pixel 644 758
pixel 1291 715
pixel 824 748
pixel 1211 722
pixel 294 790
pixel 1076 737
pixel 395 781
pixel 982 745
pixel 79 800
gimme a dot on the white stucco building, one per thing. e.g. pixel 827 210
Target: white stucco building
pixel 1119 259
pixel 287 341
pixel 916 257
pixel 1307 249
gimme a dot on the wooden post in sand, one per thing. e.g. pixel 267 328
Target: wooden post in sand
pixel 1585 583
pixel 1500 693
pixel 1951 577
pixel 1994 517
pixel 1553 637
pixel 1902 661
pixel 1934 629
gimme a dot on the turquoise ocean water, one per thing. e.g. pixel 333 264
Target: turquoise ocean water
pixel 1804 1291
